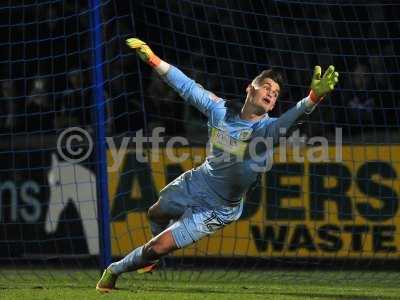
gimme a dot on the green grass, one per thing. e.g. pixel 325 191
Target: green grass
pixel 177 285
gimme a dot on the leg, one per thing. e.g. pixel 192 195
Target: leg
pixel 193 225
pixel 174 201
pixel 147 254
pixel 159 220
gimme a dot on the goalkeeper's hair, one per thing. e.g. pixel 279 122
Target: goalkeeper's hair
pixel 273 74
pixel 236 105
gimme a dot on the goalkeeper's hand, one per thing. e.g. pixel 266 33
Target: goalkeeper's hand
pixel 320 87
pixel 144 52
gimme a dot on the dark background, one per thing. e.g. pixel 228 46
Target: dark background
pixel 46 62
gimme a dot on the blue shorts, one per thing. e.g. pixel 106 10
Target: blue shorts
pixel 198 210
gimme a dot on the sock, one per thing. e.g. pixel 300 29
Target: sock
pixel 131 262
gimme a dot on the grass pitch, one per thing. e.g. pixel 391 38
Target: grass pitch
pixel 176 285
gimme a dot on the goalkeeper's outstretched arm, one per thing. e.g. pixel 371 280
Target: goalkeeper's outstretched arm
pixel 189 90
pixel 148 56
pixel 320 88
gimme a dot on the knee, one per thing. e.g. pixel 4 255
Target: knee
pixel 155 214
pixel 153 250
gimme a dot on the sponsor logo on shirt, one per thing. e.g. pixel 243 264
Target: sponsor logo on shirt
pixel 223 141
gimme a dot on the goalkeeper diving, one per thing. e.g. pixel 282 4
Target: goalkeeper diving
pixel 205 199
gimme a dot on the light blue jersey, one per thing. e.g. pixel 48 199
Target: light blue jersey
pixel 206 199
pixel 203 200
pixel 229 170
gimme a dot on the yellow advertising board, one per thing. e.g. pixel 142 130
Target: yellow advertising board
pixel 346 207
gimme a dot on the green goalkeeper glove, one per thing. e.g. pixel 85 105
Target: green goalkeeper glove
pixel 320 87
pixel 144 52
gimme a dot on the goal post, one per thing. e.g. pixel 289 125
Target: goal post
pixel 101 149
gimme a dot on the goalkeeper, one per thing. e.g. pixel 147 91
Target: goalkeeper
pixel 205 199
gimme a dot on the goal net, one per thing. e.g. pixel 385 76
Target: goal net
pixel 330 200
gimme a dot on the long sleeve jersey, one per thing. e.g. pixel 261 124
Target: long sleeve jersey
pixel 239 149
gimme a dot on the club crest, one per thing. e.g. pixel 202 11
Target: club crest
pixel 245 134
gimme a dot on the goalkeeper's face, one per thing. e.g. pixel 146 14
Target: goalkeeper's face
pixel 263 96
